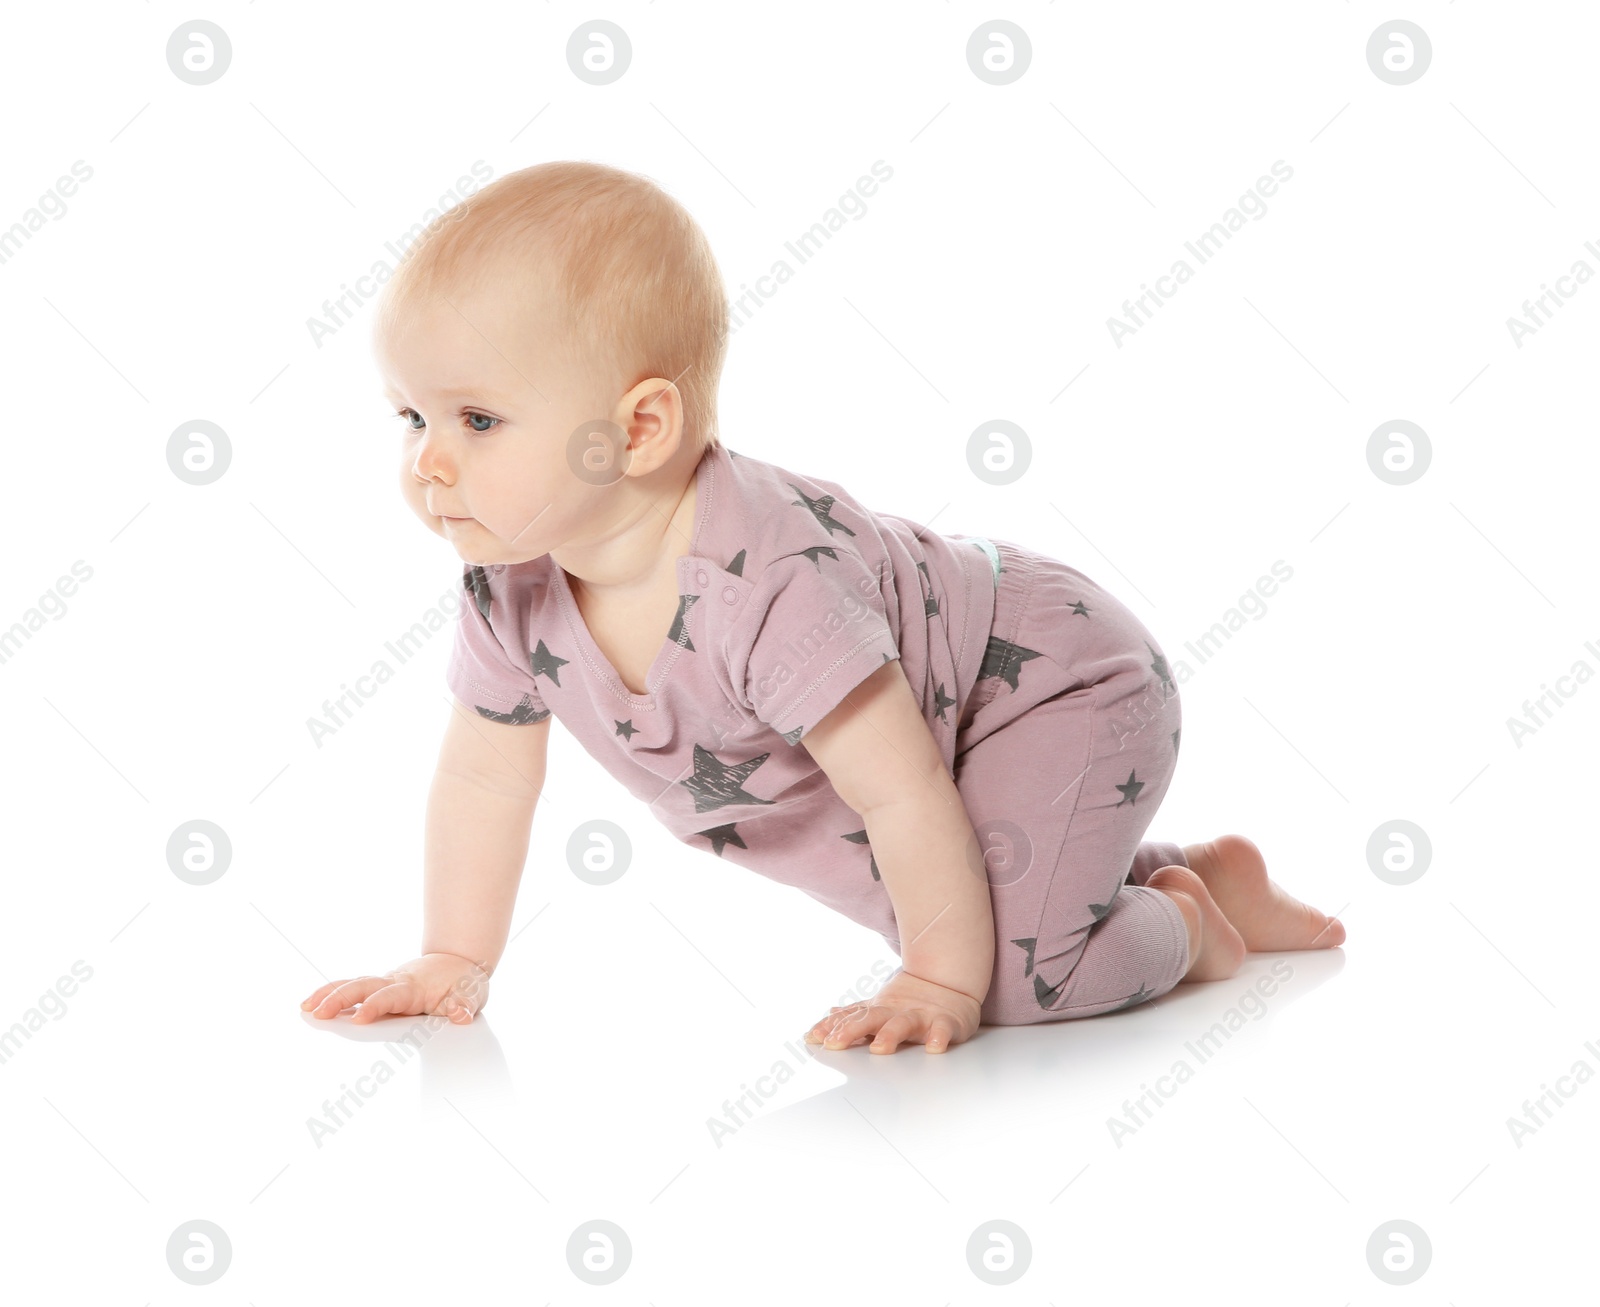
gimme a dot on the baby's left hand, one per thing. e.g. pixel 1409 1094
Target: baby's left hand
pixel 907 1009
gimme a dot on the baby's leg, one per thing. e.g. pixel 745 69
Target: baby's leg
pixel 1093 920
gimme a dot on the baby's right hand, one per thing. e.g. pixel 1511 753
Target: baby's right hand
pixel 440 983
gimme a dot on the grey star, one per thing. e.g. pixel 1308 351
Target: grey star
pixel 1079 609
pixel 793 737
pixel 717 784
pixel 1003 659
pixel 476 581
pixel 737 565
pixel 930 605
pixel 722 836
pixel 1130 790
pixel 1100 909
pixel 524 713
pixel 678 635
pixel 627 730
pixel 941 701
pixel 1175 736
pixel 815 552
pixel 820 508
pixel 1027 944
pixel 545 661
pixel 860 837
pixel 1138 997
pixel 1159 667
pixel 1047 994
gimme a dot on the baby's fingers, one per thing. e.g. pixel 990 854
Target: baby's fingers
pixel 400 997
pixel 851 1029
pixel 896 1030
pixel 337 995
pixel 941 1033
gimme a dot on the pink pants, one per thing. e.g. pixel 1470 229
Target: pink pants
pixel 1066 746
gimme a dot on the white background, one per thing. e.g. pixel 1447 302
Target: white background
pixel 1230 432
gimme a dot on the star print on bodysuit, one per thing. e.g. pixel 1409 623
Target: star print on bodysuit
pixel 716 784
pixel 820 508
pixel 941 701
pixel 523 714
pixel 1003 659
pixel 678 635
pixel 545 661
pixel 476 580
pixel 722 836
pixel 815 553
pixel 1079 609
pixel 737 565
pixel 627 730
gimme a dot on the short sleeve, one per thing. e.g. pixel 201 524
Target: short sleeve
pixel 816 626
pixel 481 673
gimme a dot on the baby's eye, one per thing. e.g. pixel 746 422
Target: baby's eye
pixel 472 419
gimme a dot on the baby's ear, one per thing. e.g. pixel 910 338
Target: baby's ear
pixel 654 421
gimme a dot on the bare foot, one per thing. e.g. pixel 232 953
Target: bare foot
pixel 1269 919
pixel 1215 948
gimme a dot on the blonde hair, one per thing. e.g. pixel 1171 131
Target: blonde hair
pixel 633 274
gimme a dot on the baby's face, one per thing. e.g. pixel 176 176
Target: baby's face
pixel 487 401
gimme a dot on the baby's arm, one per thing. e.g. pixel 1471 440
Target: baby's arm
pixel 480 813
pixel 885 764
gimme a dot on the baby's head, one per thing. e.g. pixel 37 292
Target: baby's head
pixel 552 346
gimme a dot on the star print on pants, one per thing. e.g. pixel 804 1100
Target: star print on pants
pixel 815 552
pixel 722 836
pixel 677 635
pixel 523 714
pixel 821 509
pixel 1138 997
pixel 1003 659
pixel 1130 790
pixel 627 730
pixel 716 784
pixel 860 837
pixel 545 661
pixel 1159 667
pixel 941 701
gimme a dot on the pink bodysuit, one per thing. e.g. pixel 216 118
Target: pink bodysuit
pixel 1051 705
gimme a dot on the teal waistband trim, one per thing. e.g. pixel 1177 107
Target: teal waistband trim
pixel 987 545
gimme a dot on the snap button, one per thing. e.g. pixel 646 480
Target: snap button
pixel 701 577
pixel 729 595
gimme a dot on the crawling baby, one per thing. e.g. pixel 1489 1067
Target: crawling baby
pixel 954 740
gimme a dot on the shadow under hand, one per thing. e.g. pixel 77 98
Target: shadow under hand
pixel 1021 1079
pixel 463 1063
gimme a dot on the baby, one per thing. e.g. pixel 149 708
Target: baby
pixel 838 699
